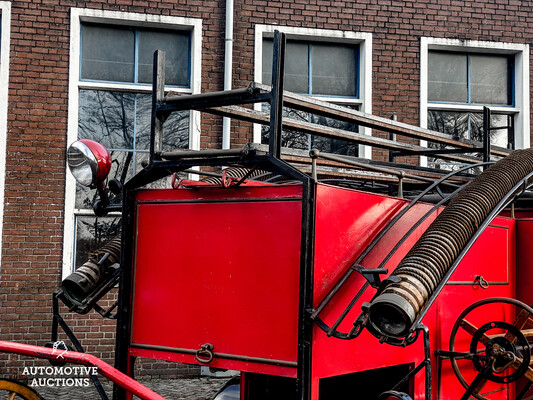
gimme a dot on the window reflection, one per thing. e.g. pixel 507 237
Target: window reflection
pixel 303 141
pixel 467 125
pixel 92 233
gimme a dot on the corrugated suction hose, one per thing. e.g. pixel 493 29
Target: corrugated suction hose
pixel 78 285
pixel 394 309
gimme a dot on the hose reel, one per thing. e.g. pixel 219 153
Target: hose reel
pixel 498 351
pixel 393 311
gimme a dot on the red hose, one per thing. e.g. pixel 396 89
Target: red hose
pixel 113 374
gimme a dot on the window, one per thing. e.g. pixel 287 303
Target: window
pixel 110 102
pixel 330 65
pixel 316 68
pixel 5 29
pixel 117 54
pixel 458 79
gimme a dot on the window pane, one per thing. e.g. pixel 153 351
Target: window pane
pixel 92 233
pixel 267 55
pixel 121 169
pixel 292 139
pixel 450 122
pixel 143 117
pixel 296 66
pixel 335 146
pixel 107 53
pixel 107 117
pixel 334 69
pixel 497 137
pixel 176 47
pixel 469 125
pixel 447 77
pixel 175 128
pixel 489 79
pixel 176 134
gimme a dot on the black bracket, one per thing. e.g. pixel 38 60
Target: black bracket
pixel 372 275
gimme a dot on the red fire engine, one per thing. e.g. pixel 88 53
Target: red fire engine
pixel 320 277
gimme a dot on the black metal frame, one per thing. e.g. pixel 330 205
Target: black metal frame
pixel 58 321
pixel 163 164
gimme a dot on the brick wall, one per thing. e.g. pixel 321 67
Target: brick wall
pixel 38 107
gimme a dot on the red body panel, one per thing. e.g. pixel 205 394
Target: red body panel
pixel 221 266
pixel 213 270
pixel 524 228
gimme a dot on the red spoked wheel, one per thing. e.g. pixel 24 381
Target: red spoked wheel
pixel 499 351
pixel 15 390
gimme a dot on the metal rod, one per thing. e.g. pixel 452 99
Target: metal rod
pixel 236 357
pixel 202 173
pixel 200 101
pixel 392 137
pixel 259 117
pixel 123 332
pixel 236 94
pixel 400 184
pixel 314 153
pixel 276 100
pixel 486 134
pixel 305 324
pixel 343 315
pixel 158 90
pixel 427 359
pixel 313 169
pixel 510 132
pixel 340 113
pixel 185 154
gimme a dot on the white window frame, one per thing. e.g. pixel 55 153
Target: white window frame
pixel 79 16
pixel 5 14
pixel 363 39
pixel 521 82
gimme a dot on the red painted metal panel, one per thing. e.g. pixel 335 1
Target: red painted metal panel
pixel 493 263
pixel 524 260
pixel 492 256
pixel 346 222
pixel 343 231
pixel 217 193
pixel 219 266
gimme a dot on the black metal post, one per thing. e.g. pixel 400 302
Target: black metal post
pixel 510 132
pixel 486 134
pixel 57 320
pixel 125 289
pixel 158 88
pixel 427 360
pixel 276 99
pixel 392 136
pixel 305 323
